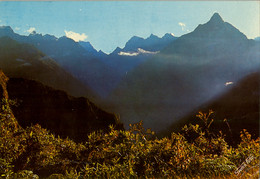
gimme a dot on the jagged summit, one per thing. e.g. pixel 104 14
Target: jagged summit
pixel 153 36
pixel 216 28
pixel 216 18
pixel 101 52
pixel 169 35
pixel 117 50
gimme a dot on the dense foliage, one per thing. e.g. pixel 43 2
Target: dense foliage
pixel 196 152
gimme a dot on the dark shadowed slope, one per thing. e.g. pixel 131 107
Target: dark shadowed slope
pixel 239 105
pixel 187 73
pixel 62 114
pixel 23 60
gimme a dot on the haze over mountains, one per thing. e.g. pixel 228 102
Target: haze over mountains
pixel 67 53
pixel 188 72
pixel 53 109
pixel 26 61
pixel 138 49
pixel 157 80
pixel 99 71
pixel 239 106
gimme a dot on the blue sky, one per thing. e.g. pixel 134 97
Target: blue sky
pixel 110 24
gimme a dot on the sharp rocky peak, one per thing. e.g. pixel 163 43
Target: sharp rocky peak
pixel 216 19
pixel 168 35
pixel 153 36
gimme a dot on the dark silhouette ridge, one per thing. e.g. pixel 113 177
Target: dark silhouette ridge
pixel 57 111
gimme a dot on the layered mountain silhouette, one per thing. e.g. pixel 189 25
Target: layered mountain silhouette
pixel 157 80
pixel 70 55
pixel 152 43
pixel 135 52
pixel 26 61
pixel 55 110
pixel 239 106
pixel 61 49
pixel 99 71
pixel 188 72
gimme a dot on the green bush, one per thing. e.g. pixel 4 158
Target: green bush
pixel 134 153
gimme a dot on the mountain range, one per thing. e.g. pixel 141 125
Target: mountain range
pixel 190 71
pixel 69 54
pixel 156 80
pixel 25 61
pixel 152 43
pixel 97 70
pixel 136 50
pixel 30 71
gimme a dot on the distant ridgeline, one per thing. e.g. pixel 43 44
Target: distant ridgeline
pixel 192 70
pixel 97 70
pixel 157 80
pixel 55 110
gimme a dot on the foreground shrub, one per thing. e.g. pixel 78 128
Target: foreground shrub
pixel 135 153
